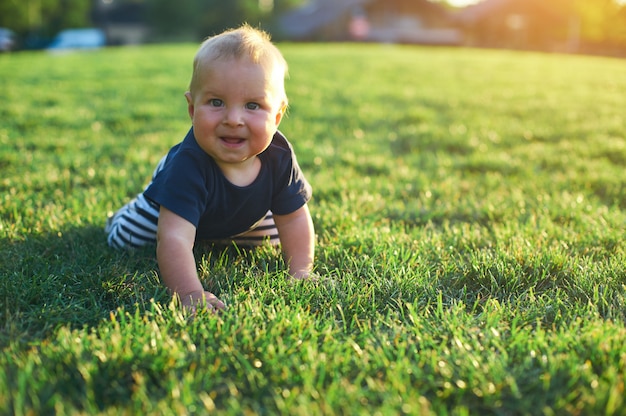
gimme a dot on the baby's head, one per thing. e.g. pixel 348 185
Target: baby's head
pixel 246 43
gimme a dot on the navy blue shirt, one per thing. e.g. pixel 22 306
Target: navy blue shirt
pixel 192 186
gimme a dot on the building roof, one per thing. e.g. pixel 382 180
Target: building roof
pixel 305 20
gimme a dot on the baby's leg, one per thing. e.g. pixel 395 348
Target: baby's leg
pixel 265 231
pixel 134 225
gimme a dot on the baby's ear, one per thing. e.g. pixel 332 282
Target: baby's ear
pixel 190 106
pixel 281 112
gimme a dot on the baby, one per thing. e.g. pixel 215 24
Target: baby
pixel 234 177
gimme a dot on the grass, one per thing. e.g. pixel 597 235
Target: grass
pixel 469 207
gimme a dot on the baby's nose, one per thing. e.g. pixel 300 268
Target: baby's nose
pixel 233 116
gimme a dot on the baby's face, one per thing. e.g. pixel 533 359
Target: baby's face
pixel 236 109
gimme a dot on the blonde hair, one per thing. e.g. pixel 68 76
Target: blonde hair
pixel 243 42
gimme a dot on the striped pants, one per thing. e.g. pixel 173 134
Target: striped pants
pixel 135 225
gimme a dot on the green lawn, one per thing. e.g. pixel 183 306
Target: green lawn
pixel 470 216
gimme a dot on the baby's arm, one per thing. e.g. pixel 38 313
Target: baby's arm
pixel 175 240
pixel 297 238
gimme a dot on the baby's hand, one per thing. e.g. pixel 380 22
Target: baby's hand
pixel 304 275
pixel 198 300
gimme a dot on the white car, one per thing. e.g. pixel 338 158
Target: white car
pixel 79 39
pixel 7 39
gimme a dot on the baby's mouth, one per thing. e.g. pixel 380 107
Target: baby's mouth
pixel 232 140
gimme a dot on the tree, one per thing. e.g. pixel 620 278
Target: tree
pixel 202 18
pixel 602 21
pixel 44 17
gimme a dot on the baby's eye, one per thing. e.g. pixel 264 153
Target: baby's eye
pixel 216 102
pixel 252 106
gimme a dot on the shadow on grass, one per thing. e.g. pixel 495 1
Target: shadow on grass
pixel 74 279
pixel 71 278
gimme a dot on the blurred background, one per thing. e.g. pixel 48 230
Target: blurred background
pixel 570 26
